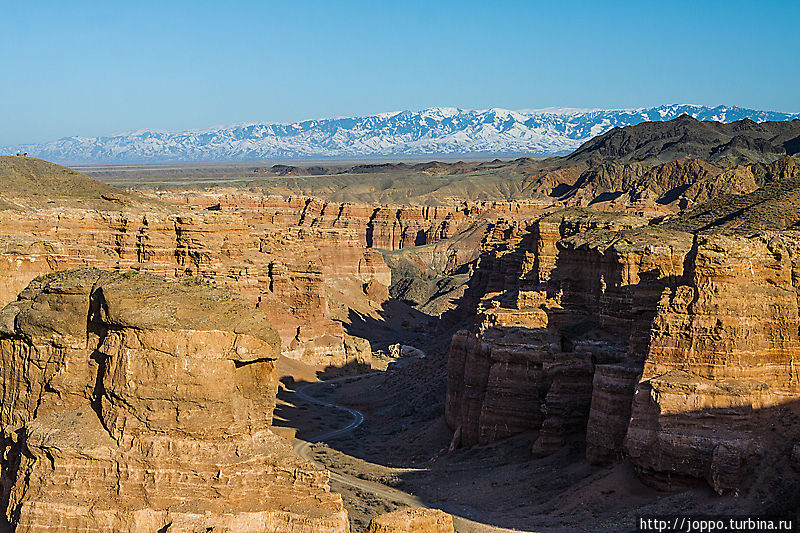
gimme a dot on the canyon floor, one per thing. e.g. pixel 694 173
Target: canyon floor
pixel 400 453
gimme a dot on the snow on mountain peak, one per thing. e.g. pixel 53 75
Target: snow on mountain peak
pixel 432 131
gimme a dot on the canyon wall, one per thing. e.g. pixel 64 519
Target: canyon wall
pixel 722 371
pixel 287 271
pixel 132 403
pixel 382 226
pixel 306 263
pixel 652 344
pixel 540 291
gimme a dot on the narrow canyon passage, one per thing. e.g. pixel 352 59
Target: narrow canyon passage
pixel 368 488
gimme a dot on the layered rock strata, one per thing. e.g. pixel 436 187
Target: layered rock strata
pixel 289 272
pixel 377 225
pixel 412 520
pixel 676 351
pixel 131 403
pixel 540 289
pixel 722 363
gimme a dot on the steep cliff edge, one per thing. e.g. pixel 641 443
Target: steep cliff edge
pixel 675 351
pixel 376 224
pixel 722 369
pixel 133 403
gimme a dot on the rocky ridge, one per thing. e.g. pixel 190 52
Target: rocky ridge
pixel 97 436
pixel 685 136
pixel 431 131
pixel 656 344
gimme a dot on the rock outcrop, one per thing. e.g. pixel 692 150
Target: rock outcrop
pixel 679 183
pixel 132 403
pixel 675 351
pixel 412 520
pixel 291 273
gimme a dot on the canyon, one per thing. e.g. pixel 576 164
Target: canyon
pixel 672 350
pixel 625 318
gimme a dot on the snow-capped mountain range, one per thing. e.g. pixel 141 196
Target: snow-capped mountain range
pixel 437 131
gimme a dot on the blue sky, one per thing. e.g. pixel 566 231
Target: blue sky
pixel 95 68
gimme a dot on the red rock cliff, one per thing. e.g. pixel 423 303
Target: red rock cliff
pixel 131 403
pixel 722 366
pixel 674 351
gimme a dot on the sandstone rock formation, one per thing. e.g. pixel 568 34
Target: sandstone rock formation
pixel 412 520
pixel 132 403
pixel 675 351
pixel 291 273
pixel 538 291
pixel 724 347
pixel 613 387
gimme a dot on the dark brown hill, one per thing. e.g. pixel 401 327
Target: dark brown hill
pixel 682 160
pixel 774 206
pixel 743 141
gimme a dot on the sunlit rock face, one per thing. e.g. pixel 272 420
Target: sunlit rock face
pixel 390 227
pixel 133 403
pixel 412 520
pixel 291 273
pixel 674 351
pixel 722 366
pixel 378 225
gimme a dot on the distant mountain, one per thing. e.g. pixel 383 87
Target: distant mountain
pixel 436 131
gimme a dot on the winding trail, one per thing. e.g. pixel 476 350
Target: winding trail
pixel 303 447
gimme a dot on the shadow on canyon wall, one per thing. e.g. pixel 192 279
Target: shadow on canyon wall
pixel 504 484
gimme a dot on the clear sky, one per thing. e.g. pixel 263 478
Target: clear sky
pixel 95 68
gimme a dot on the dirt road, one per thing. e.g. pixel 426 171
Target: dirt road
pixel 303 449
